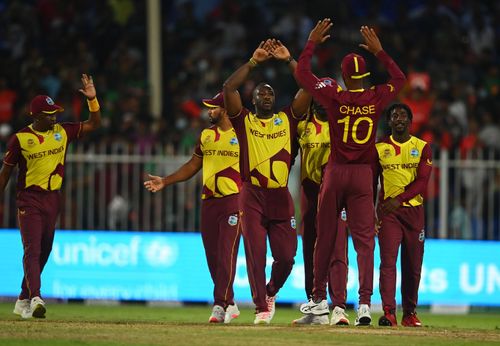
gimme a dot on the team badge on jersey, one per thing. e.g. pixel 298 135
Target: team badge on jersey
pixel 207 139
pixel 233 141
pixel 57 136
pixel 278 121
pixel 293 222
pixel 387 153
pixel 414 152
pixel 31 142
pixel 233 220
pixel 421 236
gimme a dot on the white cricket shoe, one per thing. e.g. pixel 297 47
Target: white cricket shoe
pixel 339 317
pixel 271 305
pixel 232 312
pixel 22 307
pixel 218 314
pixel 263 318
pixel 312 308
pixel 37 307
pixel 311 319
pixel 364 318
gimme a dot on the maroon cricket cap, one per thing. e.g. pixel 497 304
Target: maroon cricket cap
pixel 216 101
pixel 44 104
pixel 354 66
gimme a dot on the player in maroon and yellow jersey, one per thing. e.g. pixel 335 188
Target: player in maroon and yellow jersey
pixel 406 165
pixel 217 154
pixel 313 137
pixel 353 115
pixel 39 151
pixel 266 205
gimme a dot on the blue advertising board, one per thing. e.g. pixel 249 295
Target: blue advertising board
pixel 172 267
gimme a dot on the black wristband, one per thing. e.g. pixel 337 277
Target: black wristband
pixel 289 60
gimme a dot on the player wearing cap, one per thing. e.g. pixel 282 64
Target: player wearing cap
pixel 266 204
pixel 313 138
pixel 39 151
pixel 353 115
pixel 406 165
pixel 217 153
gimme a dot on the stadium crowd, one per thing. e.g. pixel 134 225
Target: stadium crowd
pixel 448 49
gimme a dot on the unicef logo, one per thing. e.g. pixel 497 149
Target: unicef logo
pixel 278 121
pixel 233 141
pixel 160 253
pixel 414 152
pixel 57 136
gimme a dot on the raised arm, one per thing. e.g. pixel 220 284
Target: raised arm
pixel 232 99
pixel 185 172
pixel 303 72
pixel 373 45
pixel 94 120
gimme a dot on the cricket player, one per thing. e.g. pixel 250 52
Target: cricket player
pixel 314 141
pixel 218 154
pixel 406 165
pixel 267 209
pixel 39 151
pixel 353 115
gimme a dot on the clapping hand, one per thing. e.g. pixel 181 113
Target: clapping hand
pixel 277 49
pixel 261 54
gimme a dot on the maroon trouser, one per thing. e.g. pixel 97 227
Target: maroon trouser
pixel 404 227
pixel 349 186
pixel 220 231
pixel 37 213
pixel 267 213
pixel 337 277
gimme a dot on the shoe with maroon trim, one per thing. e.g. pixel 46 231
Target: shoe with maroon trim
pixel 411 320
pixel 388 319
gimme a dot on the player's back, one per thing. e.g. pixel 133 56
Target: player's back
pixel 353 117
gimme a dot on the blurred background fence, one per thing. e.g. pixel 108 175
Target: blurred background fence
pixel 103 189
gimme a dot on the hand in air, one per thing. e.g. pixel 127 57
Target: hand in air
pixel 88 87
pixel 277 49
pixel 319 33
pixel 261 54
pixel 372 43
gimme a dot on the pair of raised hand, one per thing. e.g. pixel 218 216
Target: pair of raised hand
pixel 270 48
pixel 319 34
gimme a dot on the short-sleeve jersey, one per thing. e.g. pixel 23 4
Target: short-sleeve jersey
pixel 40 156
pixel 314 141
pixel 221 156
pixel 265 146
pixel 399 163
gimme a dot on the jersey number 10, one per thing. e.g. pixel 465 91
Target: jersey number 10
pixel 354 129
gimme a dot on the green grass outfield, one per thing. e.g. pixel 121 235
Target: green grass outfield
pixel 79 324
